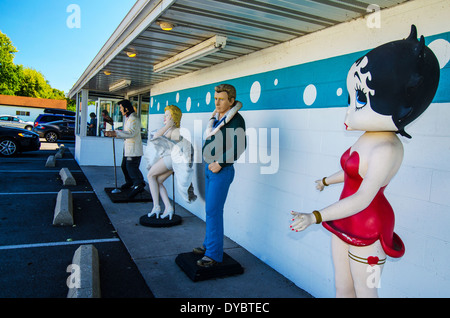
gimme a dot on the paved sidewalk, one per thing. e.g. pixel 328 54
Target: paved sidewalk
pixel 154 251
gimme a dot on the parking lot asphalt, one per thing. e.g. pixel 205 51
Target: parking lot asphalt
pixel 135 261
pixel 34 254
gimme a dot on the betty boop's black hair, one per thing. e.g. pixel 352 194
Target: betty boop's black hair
pixel 405 76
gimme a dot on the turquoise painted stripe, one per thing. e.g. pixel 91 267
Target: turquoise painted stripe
pixel 284 88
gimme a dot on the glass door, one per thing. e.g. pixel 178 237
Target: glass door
pixel 145 104
pixel 109 113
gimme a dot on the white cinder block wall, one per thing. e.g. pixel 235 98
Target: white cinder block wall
pixel 310 139
pixel 11 110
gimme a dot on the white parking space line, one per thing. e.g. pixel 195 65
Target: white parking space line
pixel 39 193
pixel 31 159
pixel 34 171
pixel 50 244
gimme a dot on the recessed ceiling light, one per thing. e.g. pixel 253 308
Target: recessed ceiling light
pixel 107 72
pixel 131 54
pixel 166 26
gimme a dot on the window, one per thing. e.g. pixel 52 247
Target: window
pixel 141 105
pixel 78 120
pixel 135 102
pixel 111 109
pixel 22 113
pixel 145 104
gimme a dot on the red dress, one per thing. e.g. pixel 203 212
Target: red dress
pixel 376 222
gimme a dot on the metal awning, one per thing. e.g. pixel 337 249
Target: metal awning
pixel 248 25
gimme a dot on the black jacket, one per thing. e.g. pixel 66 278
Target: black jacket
pixel 228 144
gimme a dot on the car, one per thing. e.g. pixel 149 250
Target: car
pixel 53 131
pixel 16 140
pixel 15 121
pixel 51 115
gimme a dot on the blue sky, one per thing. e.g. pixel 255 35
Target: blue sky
pixel 39 31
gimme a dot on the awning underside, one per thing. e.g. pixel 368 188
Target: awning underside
pixel 249 26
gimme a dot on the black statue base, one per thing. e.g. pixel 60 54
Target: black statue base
pixel 188 263
pixel 122 196
pixel 154 222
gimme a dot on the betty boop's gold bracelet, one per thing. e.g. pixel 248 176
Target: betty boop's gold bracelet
pixel 318 217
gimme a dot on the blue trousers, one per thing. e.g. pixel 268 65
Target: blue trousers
pixel 216 191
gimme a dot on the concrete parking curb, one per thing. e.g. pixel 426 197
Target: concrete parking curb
pixel 67 177
pixel 60 152
pixel 63 209
pixel 84 281
pixel 51 162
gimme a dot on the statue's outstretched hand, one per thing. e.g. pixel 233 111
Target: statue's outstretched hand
pixel 319 185
pixel 301 221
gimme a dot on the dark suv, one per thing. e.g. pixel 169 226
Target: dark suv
pixel 54 115
pixel 56 130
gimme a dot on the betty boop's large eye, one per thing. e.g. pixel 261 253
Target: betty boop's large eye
pixel 361 99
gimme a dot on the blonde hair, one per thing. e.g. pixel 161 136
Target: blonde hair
pixel 176 114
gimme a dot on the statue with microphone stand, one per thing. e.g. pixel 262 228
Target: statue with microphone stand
pixel 133 189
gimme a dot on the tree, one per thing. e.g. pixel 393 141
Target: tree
pixel 34 85
pixel 10 74
pixel 71 104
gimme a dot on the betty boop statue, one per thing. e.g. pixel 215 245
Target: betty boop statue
pixel 388 88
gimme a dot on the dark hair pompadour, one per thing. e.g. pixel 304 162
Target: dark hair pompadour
pixel 126 104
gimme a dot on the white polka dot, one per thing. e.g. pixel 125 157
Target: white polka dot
pixel 275 82
pixel 309 95
pixel 157 107
pixel 339 91
pixel 178 97
pixel 208 98
pixel 255 92
pixel 188 104
pixel 151 102
pixel 441 48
